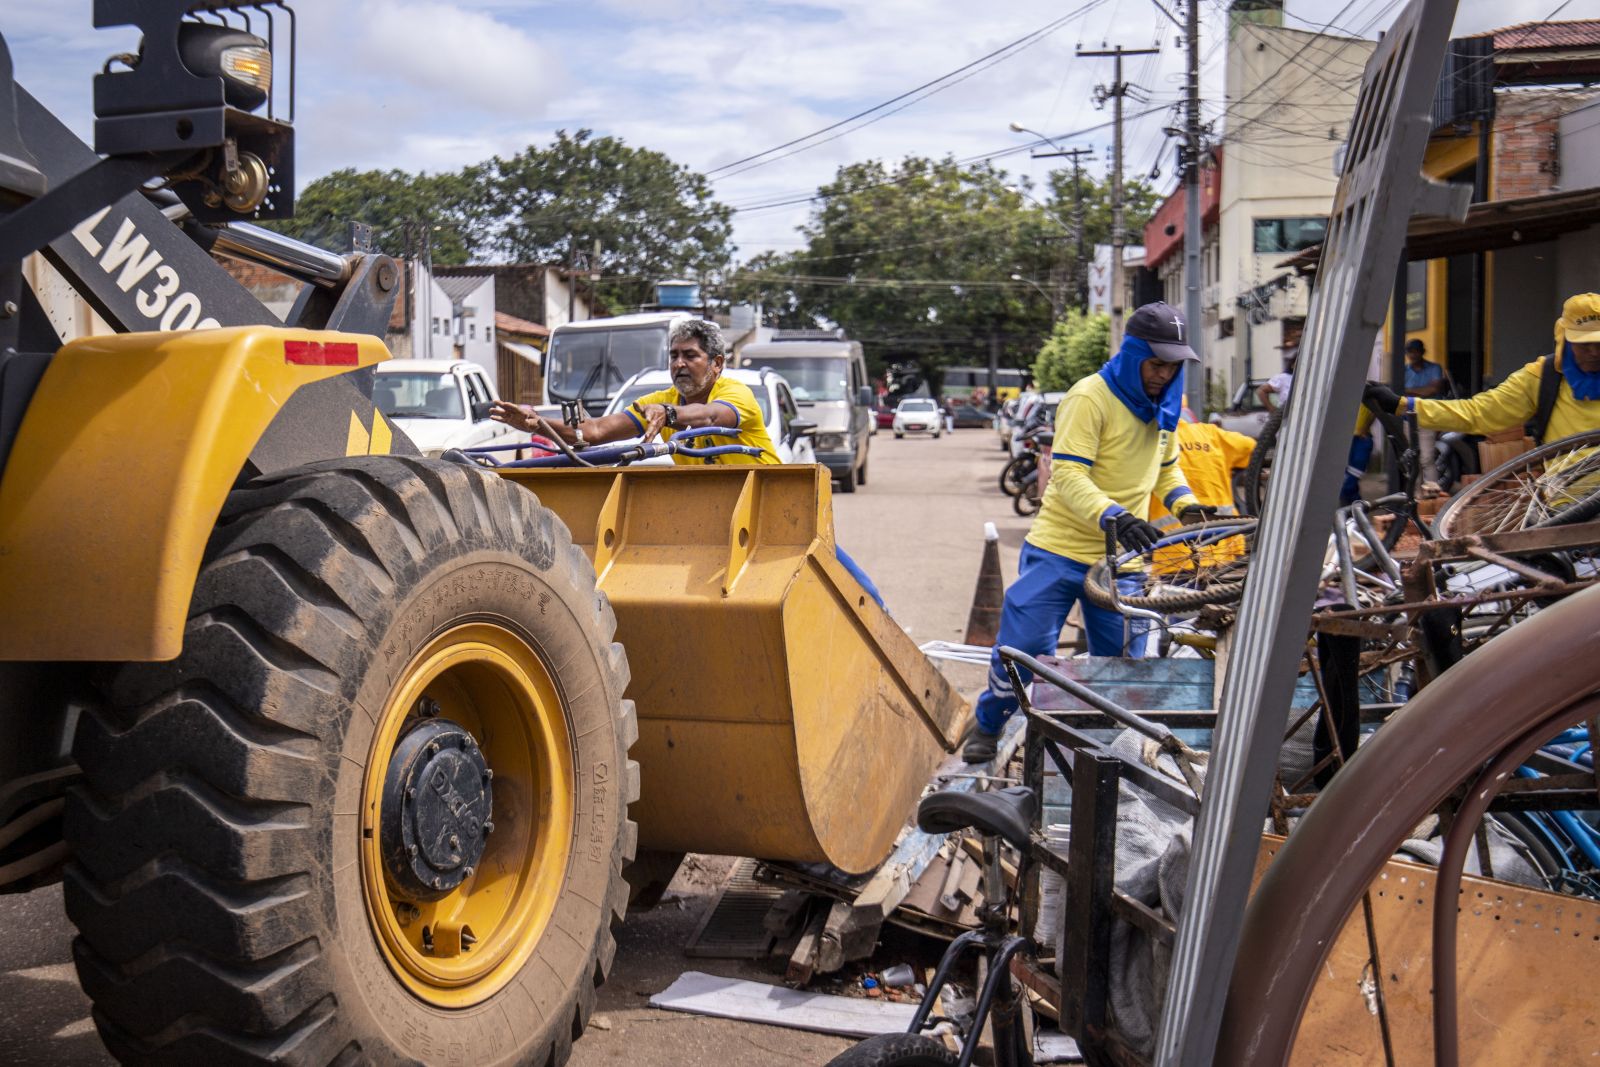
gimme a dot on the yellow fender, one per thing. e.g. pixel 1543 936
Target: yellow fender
pixel 120 468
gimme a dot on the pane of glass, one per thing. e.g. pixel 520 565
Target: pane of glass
pixel 633 351
pixel 812 379
pixel 573 357
pixel 418 395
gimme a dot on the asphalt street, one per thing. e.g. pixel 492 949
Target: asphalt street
pixel 916 527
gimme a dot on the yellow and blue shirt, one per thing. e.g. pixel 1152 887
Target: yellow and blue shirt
pixel 1105 460
pixel 1511 403
pixel 737 396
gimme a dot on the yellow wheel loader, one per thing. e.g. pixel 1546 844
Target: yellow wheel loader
pixel 328 742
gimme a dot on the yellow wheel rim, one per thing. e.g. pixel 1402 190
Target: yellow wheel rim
pixel 458 950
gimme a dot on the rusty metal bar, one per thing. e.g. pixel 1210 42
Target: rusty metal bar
pixel 1533 574
pixel 1515 543
pixel 1539 593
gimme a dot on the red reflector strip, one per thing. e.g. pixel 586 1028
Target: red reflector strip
pixel 319 354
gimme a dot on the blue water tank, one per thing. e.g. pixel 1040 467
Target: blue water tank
pixel 678 294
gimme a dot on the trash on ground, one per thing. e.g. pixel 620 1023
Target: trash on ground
pixel 731 998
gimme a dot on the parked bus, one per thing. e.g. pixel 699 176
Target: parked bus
pixel 961 381
pixel 590 360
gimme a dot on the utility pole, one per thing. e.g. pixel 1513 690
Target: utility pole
pixel 1115 92
pixel 1195 384
pixel 1080 279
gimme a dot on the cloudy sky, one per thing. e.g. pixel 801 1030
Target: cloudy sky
pixel 434 84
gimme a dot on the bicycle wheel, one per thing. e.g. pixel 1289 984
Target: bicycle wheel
pixel 1014 472
pixel 1026 502
pixel 1553 485
pixel 1259 472
pixel 1194 566
pixel 896 1050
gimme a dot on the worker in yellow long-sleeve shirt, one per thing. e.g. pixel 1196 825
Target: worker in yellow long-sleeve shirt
pixel 1115 444
pixel 1573 404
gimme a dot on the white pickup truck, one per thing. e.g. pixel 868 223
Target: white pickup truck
pixel 440 404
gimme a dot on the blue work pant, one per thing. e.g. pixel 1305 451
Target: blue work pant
pixel 1355 467
pixel 1031 619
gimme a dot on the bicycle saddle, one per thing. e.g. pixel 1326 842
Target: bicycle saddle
pixel 1005 813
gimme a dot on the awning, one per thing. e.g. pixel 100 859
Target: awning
pixel 527 352
pixel 1488 226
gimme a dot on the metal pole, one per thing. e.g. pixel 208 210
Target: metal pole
pixel 1118 90
pixel 1079 266
pixel 427 255
pixel 1117 299
pixel 1193 238
pixel 994 360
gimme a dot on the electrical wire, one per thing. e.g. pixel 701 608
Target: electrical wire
pixel 1003 52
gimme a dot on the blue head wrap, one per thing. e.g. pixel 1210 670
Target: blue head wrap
pixel 1121 373
pixel 1585 386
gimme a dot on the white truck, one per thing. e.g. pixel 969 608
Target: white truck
pixel 439 404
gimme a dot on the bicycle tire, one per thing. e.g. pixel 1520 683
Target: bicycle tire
pixel 896 1050
pixel 1451 520
pixel 1015 470
pixel 1097 583
pixel 1534 846
pixel 1260 456
pixel 1026 503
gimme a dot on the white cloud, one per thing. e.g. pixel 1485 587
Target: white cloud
pixel 459 55
pixel 438 84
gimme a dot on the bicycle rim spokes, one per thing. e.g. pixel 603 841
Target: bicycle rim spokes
pixel 1557 484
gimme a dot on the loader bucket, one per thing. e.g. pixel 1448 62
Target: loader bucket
pixel 782 713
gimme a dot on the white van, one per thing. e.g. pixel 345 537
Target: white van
pixel 829 379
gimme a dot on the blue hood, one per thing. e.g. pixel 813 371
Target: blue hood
pixel 1585 386
pixel 1121 373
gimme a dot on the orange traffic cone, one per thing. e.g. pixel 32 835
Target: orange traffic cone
pixel 983 622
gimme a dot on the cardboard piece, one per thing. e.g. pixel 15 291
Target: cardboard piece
pixel 823 1013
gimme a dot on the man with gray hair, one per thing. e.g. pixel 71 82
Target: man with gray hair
pixel 700 397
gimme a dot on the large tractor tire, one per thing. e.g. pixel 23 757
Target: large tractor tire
pixel 376 812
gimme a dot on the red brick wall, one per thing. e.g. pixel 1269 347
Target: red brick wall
pixel 1526 144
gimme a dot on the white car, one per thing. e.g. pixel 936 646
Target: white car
pixel 791 434
pixel 440 404
pixel 918 414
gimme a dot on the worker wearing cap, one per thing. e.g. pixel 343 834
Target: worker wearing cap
pixel 1516 400
pixel 1115 444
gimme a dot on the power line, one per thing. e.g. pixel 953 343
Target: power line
pixel 966 161
pixel 1021 42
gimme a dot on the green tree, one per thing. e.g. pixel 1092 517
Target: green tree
pixel 915 261
pixel 651 217
pixel 1076 348
pixel 444 212
pixel 1139 202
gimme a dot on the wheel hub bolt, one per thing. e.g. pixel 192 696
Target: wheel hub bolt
pixel 436 805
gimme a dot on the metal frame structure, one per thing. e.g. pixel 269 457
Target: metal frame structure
pixel 1378 192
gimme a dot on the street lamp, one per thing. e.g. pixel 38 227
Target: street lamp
pixel 1075 155
pixel 1017 127
pixel 1055 308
